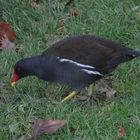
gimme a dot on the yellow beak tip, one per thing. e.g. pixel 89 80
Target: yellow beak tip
pixel 13 84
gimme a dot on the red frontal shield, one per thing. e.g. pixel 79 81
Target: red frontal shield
pixel 14 79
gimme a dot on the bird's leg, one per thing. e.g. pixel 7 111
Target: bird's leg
pixel 90 90
pixel 74 93
pixel 70 96
pixel 87 93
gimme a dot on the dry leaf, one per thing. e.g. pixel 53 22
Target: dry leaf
pixel 6 44
pixel 6 32
pixel 46 126
pixel 6 36
pixel 74 12
pixel 122 133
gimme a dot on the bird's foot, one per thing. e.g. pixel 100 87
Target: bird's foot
pixel 86 94
pixel 82 94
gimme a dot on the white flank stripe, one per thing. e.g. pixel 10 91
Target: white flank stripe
pixel 78 64
pixel 92 72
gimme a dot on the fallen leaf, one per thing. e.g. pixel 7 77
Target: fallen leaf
pixel 6 32
pixel 74 12
pixel 7 35
pixel 6 44
pixel 46 126
pixel 122 133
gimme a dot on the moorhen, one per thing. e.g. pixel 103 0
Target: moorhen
pixel 77 61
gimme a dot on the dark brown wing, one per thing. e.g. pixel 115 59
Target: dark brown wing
pixel 90 50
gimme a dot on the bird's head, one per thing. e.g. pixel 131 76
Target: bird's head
pixel 20 71
pixel 26 67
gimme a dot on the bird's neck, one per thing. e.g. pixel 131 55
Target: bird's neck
pixel 34 66
pixel 41 67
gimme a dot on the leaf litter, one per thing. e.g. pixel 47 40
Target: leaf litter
pixel 122 132
pixel 41 126
pixel 7 36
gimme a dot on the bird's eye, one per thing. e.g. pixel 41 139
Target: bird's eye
pixel 18 69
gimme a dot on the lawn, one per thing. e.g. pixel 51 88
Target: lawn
pixel 36 29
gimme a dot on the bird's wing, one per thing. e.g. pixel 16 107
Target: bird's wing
pixel 73 73
pixel 98 52
pixel 82 51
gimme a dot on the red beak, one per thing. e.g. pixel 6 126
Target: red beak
pixel 14 79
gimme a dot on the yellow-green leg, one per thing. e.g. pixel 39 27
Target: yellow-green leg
pixel 90 90
pixel 84 97
pixel 87 94
pixel 70 96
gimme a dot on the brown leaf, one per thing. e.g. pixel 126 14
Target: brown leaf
pixel 7 35
pixel 46 126
pixel 122 133
pixel 6 32
pixel 74 12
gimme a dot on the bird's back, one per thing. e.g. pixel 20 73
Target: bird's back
pixel 87 49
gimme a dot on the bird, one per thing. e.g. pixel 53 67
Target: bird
pixel 77 61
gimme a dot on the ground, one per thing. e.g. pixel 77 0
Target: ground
pixel 36 29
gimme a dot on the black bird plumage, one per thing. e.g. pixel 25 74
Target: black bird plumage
pixel 77 61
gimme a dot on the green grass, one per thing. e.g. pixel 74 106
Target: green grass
pixel 36 30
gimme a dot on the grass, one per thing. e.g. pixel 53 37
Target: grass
pixel 37 29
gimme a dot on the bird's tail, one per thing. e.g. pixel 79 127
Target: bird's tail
pixel 136 53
